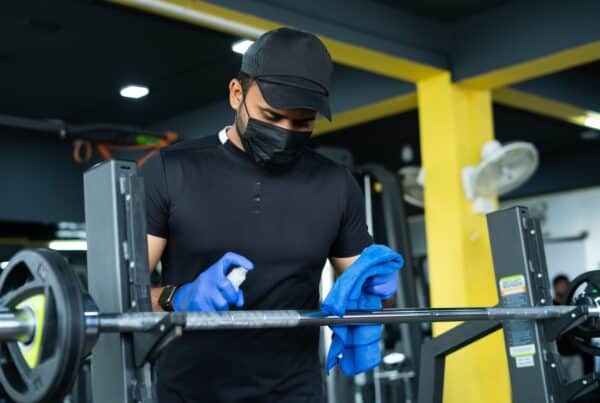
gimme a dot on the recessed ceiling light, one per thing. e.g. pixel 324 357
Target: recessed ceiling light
pixel 593 121
pixel 241 46
pixel 3 265
pixel 134 91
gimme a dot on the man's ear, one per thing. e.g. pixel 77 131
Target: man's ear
pixel 235 94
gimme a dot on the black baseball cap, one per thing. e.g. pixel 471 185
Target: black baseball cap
pixel 292 69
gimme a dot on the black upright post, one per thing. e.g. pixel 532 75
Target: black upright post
pixel 118 276
pixel 522 281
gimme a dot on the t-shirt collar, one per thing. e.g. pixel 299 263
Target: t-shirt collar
pixel 223 135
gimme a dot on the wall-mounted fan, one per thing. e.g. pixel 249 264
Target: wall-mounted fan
pixel 502 169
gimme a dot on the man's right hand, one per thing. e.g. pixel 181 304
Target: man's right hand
pixel 212 290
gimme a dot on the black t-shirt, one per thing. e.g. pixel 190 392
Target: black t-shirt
pixel 209 198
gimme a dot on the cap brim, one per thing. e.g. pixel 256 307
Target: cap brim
pixel 284 96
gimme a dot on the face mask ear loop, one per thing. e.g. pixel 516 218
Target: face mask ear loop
pixel 237 115
pixel 246 107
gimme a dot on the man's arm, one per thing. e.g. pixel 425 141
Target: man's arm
pixel 342 263
pixel 156 247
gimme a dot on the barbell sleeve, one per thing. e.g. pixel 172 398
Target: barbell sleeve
pixel 17 325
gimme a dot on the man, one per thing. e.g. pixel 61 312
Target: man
pixel 254 197
pixel 560 284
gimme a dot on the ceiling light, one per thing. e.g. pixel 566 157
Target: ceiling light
pixel 3 265
pixel 134 91
pixel 592 120
pixel 241 46
pixel 68 245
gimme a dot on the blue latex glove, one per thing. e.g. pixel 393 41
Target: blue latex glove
pixel 362 286
pixel 212 290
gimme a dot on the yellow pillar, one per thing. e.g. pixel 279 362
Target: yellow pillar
pixel 454 123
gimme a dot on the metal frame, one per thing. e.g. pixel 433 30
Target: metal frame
pixel 535 372
pixel 434 352
pixel 398 238
pixel 517 250
pixel 118 276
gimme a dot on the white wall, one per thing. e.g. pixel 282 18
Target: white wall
pixel 565 215
pixel 562 215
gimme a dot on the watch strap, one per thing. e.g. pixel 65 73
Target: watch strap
pixel 167 296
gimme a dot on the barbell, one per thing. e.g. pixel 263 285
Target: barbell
pixel 48 324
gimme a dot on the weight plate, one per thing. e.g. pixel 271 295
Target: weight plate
pixel 44 367
pixel 584 290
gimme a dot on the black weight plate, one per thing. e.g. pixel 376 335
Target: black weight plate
pixel 34 272
pixel 581 336
pixel 589 297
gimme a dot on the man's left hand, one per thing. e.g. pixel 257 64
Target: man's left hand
pixel 383 285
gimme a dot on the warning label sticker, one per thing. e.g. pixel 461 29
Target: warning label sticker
pixel 512 285
pixel 522 351
pixel 523 362
pixel 520 333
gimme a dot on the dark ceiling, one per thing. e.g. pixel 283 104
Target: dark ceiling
pixel 568 158
pixel 444 10
pixel 590 68
pixel 68 60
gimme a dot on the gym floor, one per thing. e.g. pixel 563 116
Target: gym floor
pixel 446 114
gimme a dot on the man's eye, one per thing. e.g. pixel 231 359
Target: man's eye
pixel 302 124
pixel 271 117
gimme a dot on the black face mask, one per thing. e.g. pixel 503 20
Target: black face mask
pixel 271 145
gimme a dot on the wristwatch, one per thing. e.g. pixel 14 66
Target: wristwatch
pixel 166 298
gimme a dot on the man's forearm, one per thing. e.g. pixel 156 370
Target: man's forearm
pixel 154 296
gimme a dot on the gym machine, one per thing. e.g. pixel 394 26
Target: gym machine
pixel 522 281
pixel 387 219
pixel 48 325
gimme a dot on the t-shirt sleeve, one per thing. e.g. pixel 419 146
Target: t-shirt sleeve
pixel 353 235
pixel 157 199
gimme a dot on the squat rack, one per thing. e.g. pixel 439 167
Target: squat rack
pixel 118 280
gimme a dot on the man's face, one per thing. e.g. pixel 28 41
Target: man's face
pixel 560 288
pixel 290 119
